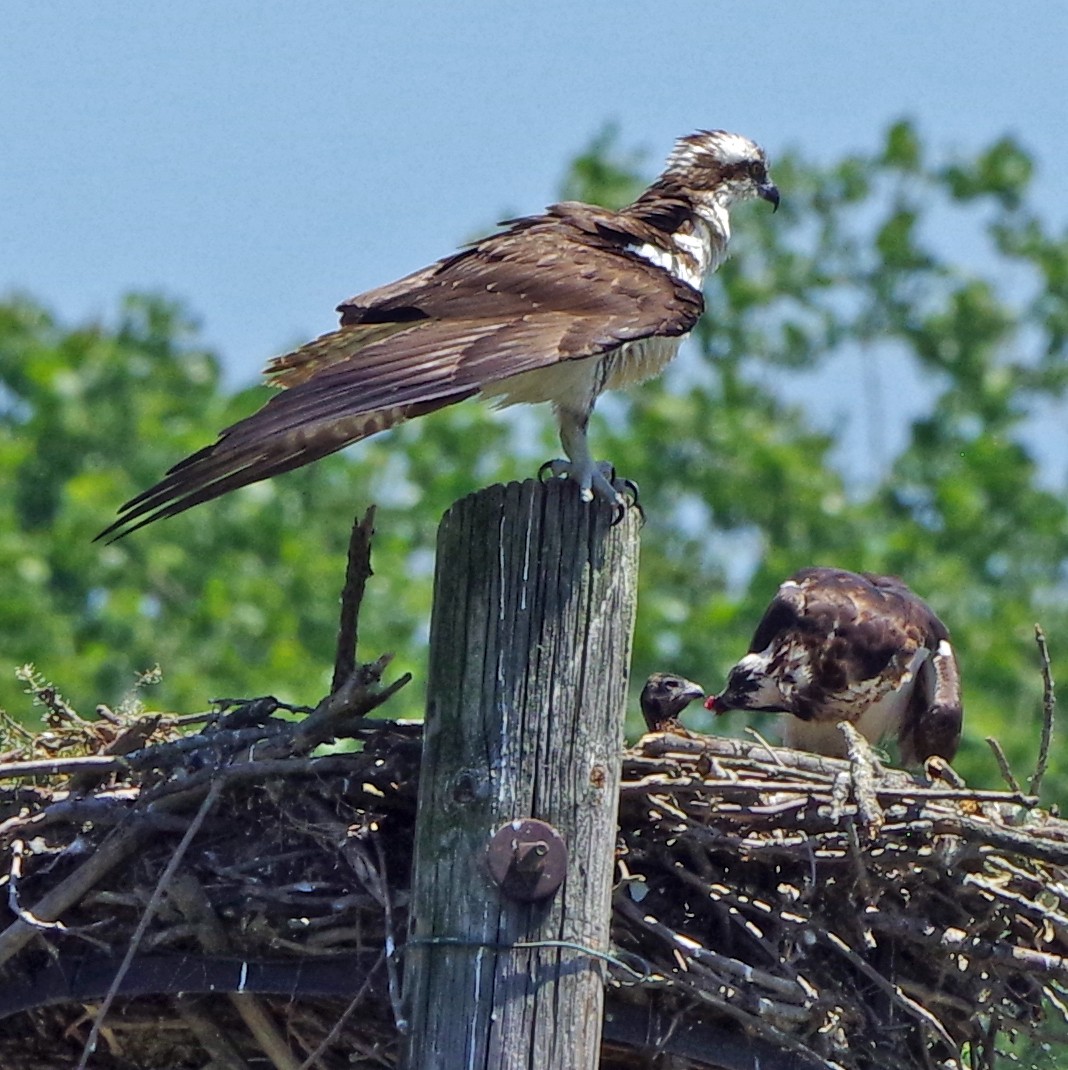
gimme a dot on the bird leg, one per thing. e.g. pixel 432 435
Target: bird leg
pixel 595 479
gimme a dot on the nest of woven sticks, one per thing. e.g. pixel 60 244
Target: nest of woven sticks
pixel 839 909
pixel 197 891
pixel 769 904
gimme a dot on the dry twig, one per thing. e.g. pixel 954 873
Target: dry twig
pixel 1049 704
pixel 146 917
pixel 357 573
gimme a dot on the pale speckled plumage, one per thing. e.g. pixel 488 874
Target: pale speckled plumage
pixel 841 646
pixel 689 152
pixel 876 709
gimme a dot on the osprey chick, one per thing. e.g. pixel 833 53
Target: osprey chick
pixel 664 697
pixel 841 646
pixel 558 307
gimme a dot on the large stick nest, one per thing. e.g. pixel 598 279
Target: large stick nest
pixel 205 891
pixel 770 905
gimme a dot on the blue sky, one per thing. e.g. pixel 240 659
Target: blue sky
pixel 262 162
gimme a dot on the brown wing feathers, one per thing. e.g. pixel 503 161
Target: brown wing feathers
pixel 849 631
pixel 434 338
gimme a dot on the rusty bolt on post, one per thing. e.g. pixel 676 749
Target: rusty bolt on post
pixel 527 859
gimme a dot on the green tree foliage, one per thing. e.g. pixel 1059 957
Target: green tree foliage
pixel 859 279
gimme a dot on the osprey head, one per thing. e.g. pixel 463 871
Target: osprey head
pixel 753 684
pixel 664 697
pixel 715 165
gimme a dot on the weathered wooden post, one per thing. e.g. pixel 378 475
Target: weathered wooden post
pixel 530 648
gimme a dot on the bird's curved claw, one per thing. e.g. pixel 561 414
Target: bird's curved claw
pixel 596 481
pixel 627 493
pixel 548 466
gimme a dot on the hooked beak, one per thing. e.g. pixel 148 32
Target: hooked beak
pixel 722 703
pixel 770 192
pixel 692 691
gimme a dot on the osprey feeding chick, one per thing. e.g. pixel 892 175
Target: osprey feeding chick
pixel 841 646
pixel 558 307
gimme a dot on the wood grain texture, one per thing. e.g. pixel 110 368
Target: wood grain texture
pixel 530 648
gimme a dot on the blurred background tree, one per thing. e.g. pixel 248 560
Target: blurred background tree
pixel 861 393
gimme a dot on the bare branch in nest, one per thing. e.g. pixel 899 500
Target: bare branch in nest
pixel 732 987
pixel 98 812
pixel 772 751
pixel 353 700
pixel 1049 703
pixel 49 767
pixel 862 780
pixel 339 1025
pixel 123 801
pixel 357 572
pixel 206 748
pixel 196 1013
pixel 893 991
pixel 1003 764
pixel 14 875
pixel 117 847
pixel 149 912
pixel 392 948
pixel 189 896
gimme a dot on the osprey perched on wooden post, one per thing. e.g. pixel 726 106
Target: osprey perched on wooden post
pixel 558 307
pixel 841 646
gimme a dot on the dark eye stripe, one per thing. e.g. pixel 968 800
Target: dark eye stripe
pixel 754 169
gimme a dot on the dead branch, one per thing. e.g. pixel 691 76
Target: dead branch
pixel 1049 704
pixel 357 572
